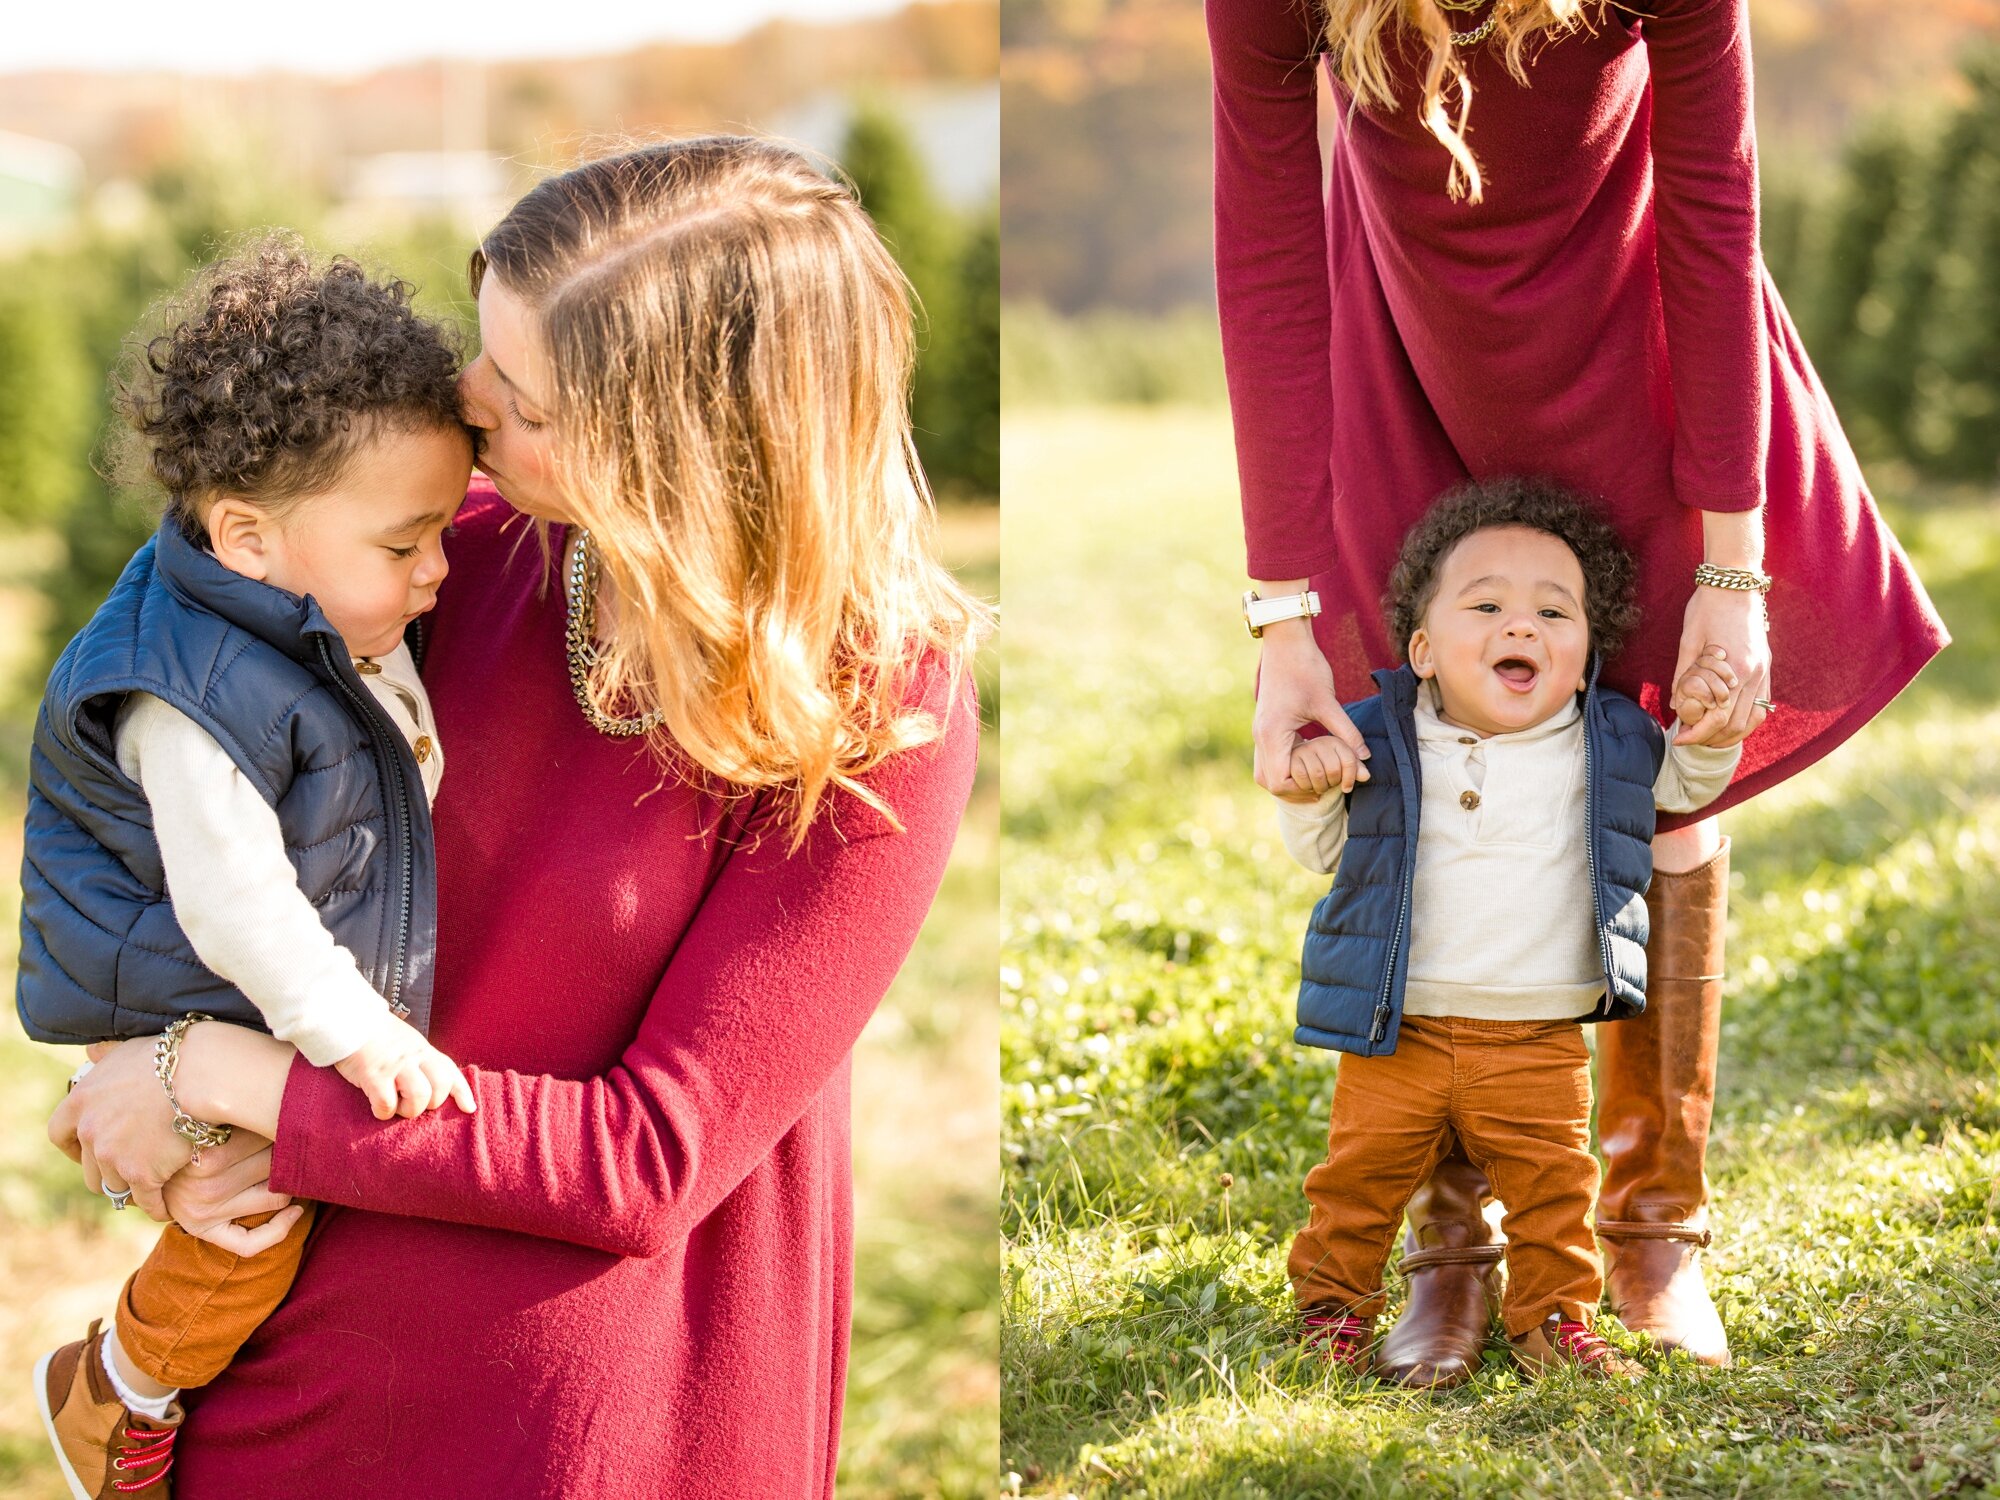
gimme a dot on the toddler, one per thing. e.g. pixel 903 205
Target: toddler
pixel 1492 856
pixel 229 812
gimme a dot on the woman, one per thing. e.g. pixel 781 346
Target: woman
pixel 711 743
pixel 1560 280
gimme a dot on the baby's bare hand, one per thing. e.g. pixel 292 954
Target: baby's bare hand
pixel 1322 764
pixel 403 1074
pixel 242 1239
pixel 1704 697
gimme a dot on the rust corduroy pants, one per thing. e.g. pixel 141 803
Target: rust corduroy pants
pixel 1518 1095
pixel 188 1309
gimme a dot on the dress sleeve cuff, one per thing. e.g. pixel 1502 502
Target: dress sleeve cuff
pixel 302 1117
pixel 1275 564
pixel 1710 497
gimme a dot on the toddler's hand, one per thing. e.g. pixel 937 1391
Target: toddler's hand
pixel 1318 765
pixel 402 1074
pixel 1704 697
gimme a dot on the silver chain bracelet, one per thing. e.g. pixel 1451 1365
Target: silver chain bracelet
pixel 166 1060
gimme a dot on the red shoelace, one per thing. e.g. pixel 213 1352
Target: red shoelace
pixel 1343 1339
pixel 1580 1344
pixel 149 1445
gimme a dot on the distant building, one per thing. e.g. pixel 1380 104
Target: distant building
pixel 470 188
pixel 955 129
pixel 41 188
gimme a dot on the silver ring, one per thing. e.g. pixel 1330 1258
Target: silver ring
pixel 1764 703
pixel 118 1200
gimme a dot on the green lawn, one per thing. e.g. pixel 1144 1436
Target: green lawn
pixel 922 1415
pixel 1158 1119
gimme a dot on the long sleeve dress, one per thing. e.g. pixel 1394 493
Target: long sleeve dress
pixel 629 1272
pixel 1602 318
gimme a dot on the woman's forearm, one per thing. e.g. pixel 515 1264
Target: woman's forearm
pixel 1733 538
pixel 233 1075
pixel 758 1009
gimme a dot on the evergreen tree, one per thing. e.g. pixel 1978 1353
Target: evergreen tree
pixel 1954 422
pixel 46 400
pixel 1840 254
pixel 895 189
pixel 1790 206
pixel 1883 365
pixel 971 376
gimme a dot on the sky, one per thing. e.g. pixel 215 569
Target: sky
pixel 355 36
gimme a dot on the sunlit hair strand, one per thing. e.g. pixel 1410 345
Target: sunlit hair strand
pixel 730 346
pixel 1360 32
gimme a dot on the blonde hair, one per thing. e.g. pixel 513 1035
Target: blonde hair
pixel 1355 30
pixel 731 347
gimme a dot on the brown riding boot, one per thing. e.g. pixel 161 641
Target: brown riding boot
pixel 1441 1335
pixel 1656 1092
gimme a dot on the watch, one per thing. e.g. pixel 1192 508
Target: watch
pixel 1257 613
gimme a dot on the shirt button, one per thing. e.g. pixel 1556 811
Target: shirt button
pixel 1466 739
pixel 423 748
pixel 1468 800
pixel 368 668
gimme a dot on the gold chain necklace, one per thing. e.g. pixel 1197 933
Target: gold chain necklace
pixel 1478 33
pixel 582 597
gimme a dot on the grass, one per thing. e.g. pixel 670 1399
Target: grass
pixel 1158 1119
pixel 922 1415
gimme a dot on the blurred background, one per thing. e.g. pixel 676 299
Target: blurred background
pixel 1157 1119
pixel 131 149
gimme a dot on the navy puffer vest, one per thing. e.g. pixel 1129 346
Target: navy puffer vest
pixel 1357 946
pixel 102 956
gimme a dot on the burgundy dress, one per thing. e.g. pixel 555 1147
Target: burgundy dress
pixel 1602 318
pixel 629 1272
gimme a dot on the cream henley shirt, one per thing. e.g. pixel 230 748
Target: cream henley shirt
pixel 1505 926
pixel 234 890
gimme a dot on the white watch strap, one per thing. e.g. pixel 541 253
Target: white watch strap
pixel 1262 612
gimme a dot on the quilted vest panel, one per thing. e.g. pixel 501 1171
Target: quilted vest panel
pixel 102 955
pixel 1356 953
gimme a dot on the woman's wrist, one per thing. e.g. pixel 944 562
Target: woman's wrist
pixel 1282 633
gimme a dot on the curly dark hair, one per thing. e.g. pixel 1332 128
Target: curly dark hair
pixel 1609 574
pixel 272 371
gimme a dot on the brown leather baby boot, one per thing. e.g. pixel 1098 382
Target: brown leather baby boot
pixel 1656 1093
pixel 1452 1265
pixel 104 1450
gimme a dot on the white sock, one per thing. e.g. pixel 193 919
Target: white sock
pixel 157 1410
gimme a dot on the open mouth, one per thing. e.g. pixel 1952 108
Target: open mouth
pixel 1517 672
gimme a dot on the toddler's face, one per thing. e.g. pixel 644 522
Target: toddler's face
pixel 1505 635
pixel 370 548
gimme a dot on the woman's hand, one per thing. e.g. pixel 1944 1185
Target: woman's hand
pixel 230 1182
pixel 1295 688
pixel 1731 620
pixel 117 1122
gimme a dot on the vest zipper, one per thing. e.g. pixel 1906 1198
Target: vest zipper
pixel 1392 727
pixel 1590 842
pixel 392 781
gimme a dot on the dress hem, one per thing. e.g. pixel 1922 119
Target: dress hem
pixel 1822 744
